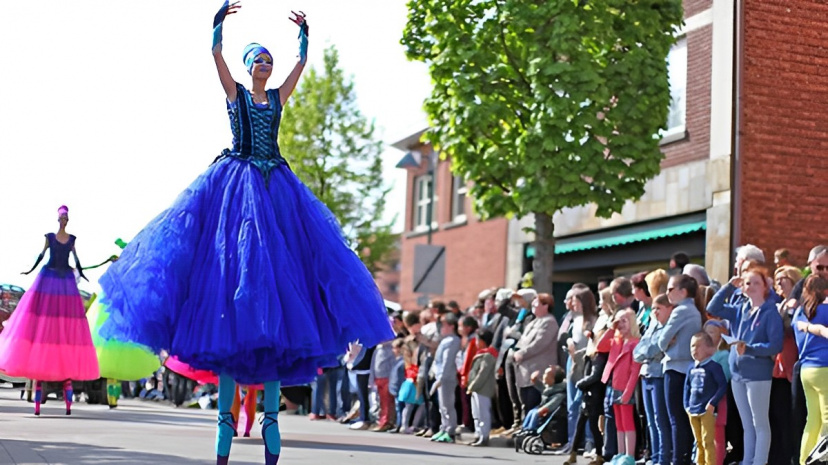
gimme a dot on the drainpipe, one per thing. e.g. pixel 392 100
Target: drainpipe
pixel 736 146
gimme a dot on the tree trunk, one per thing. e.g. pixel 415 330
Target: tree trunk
pixel 542 265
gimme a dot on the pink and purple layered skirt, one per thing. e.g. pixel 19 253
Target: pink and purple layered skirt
pixel 47 337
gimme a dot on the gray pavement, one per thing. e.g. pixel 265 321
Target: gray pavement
pixel 147 432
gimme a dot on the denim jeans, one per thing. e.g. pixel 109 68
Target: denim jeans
pixel 753 401
pixel 658 422
pixel 679 421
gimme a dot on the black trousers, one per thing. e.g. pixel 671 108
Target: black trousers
pixel 363 393
pixel 503 405
pixel 734 432
pixel 781 447
pixel 592 418
pixel 799 414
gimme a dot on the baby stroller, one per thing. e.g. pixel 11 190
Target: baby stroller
pixel 819 454
pixel 551 431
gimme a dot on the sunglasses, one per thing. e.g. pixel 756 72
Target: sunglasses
pixel 263 59
pixel 821 267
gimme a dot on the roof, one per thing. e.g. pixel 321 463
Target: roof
pixel 410 141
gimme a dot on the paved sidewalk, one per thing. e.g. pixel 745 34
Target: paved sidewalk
pixel 140 432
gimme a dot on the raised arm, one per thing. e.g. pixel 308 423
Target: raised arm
pixel 39 257
pixel 721 305
pixel 293 77
pixel 227 81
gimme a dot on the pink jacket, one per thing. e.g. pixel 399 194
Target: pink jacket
pixel 621 366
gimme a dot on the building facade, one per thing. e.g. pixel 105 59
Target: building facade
pixel 438 212
pixel 782 141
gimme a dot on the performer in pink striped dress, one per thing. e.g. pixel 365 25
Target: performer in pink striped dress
pixel 47 338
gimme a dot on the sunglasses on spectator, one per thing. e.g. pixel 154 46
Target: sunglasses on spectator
pixel 821 267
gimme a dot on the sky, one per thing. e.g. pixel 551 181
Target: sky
pixel 114 107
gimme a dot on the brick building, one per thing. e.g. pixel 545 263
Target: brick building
pixel 754 65
pixel 782 140
pixel 475 251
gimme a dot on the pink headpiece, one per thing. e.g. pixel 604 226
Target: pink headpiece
pixel 63 210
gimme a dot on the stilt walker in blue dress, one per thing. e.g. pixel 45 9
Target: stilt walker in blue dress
pixel 247 274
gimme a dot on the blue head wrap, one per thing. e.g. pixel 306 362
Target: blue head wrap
pixel 251 52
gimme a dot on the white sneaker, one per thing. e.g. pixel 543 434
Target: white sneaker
pixel 590 454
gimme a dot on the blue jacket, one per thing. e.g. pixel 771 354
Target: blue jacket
pixel 762 332
pixel 648 353
pixel 684 322
pixel 813 350
pixel 705 384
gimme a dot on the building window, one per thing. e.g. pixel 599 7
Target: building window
pixel 425 201
pixel 677 77
pixel 458 199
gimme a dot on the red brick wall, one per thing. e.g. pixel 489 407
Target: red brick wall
pixel 475 252
pixel 697 119
pixel 475 260
pixel 784 125
pixel 693 7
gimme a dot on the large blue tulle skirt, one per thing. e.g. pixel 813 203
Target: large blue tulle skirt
pixel 249 278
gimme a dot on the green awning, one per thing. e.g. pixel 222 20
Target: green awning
pixel 575 245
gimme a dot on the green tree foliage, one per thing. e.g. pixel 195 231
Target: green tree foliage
pixel 547 104
pixel 332 148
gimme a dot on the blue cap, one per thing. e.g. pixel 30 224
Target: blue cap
pixel 251 52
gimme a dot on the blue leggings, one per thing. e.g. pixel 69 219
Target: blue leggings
pixel 224 435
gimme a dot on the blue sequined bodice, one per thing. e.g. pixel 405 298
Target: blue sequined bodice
pixel 255 130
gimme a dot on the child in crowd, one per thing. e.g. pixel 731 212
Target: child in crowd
pixel 395 381
pixel 622 373
pixel 468 333
pixel 381 366
pixel 650 356
pixel 445 363
pixel 553 389
pixel 481 385
pixel 592 408
pixel 715 329
pixel 703 390
pixel 408 390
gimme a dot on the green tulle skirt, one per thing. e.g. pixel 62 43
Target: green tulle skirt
pixel 118 360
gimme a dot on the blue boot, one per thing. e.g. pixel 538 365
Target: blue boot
pixel 272 438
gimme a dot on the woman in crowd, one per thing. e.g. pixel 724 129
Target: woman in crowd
pixel 812 339
pixel 758 328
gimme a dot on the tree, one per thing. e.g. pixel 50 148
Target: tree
pixel 332 149
pixel 547 104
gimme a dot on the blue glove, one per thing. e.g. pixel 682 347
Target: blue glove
pixel 299 19
pixel 39 259
pixel 303 45
pixel 217 22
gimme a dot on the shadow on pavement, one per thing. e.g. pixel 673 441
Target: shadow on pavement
pixel 171 418
pixel 349 447
pixel 78 454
